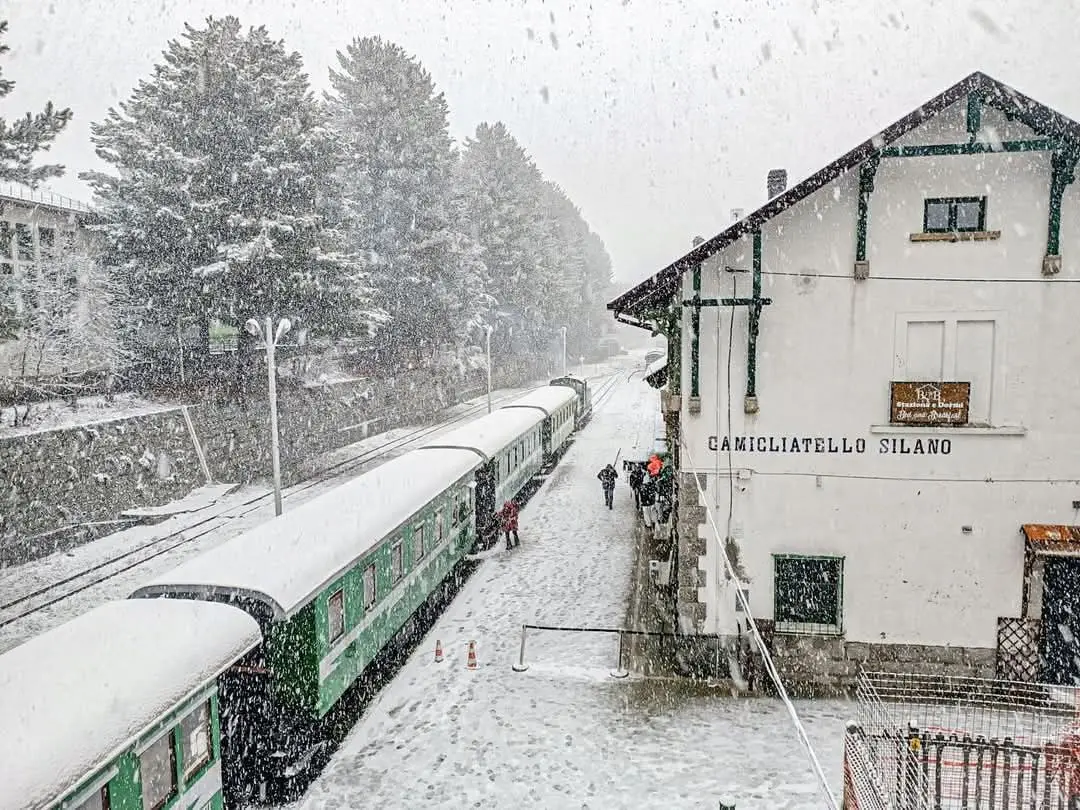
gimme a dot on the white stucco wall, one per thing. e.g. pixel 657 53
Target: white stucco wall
pixel 827 350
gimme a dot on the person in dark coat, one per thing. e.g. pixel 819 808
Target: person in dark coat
pixel 607 478
pixel 508 522
pixel 637 475
pixel 647 492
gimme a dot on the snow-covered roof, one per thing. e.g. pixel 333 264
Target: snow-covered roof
pixel 489 434
pixel 285 562
pixel 72 698
pixel 549 398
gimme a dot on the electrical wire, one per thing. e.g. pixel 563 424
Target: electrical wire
pixel 989 479
pixel 766 657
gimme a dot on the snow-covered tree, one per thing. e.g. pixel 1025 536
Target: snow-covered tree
pixel 69 318
pixel 222 205
pixel 23 139
pixel 20 143
pixel 584 270
pixel 398 178
pixel 503 203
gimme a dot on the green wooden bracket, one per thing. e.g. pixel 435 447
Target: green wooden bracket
pixel 867 173
pixel 754 304
pixel 675 350
pixel 974 115
pixel 1062 173
pixel 695 337
pixel 750 405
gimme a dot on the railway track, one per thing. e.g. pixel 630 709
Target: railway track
pixel 39 598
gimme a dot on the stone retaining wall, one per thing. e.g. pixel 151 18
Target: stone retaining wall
pixel 60 488
pixel 814 666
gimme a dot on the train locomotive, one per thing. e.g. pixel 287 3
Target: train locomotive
pixel 226 678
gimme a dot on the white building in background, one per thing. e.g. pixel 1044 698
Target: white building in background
pixel 33 225
pixel 906 401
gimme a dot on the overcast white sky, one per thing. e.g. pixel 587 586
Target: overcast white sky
pixel 656 116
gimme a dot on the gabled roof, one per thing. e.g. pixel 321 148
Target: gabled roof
pixel 655 292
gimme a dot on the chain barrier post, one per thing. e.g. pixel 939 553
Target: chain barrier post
pixel 521 666
pixel 619 671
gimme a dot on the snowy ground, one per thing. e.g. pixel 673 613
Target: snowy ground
pixel 207 517
pixel 564 733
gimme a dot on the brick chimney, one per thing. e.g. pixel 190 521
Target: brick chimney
pixel 776 182
pixel 698 240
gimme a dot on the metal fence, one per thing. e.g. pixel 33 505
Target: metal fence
pixel 923 742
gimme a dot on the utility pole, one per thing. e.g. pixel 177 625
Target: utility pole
pixel 271 336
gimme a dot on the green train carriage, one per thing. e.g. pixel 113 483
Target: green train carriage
pixel 119 709
pixel 331 583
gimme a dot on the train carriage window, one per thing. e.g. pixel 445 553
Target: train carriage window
pixel 419 546
pixel 439 532
pixel 98 800
pixel 369 587
pixel 397 562
pixel 157 771
pixel 195 739
pixel 335 612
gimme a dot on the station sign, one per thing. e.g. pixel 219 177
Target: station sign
pixel 929 404
pixel 831 445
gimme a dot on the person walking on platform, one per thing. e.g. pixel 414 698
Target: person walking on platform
pixel 508 522
pixel 637 475
pixel 607 478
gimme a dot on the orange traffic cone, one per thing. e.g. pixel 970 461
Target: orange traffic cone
pixel 438 651
pixel 472 656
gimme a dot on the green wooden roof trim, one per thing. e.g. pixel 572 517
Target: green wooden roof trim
pixel 658 290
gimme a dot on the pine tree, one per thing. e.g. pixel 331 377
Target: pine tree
pixel 504 198
pixel 398 179
pixel 220 208
pixel 20 143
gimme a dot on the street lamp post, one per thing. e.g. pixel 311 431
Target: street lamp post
pixel 563 350
pixel 271 336
pixel 488 345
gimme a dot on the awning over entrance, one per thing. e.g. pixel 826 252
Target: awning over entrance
pixel 656 374
pixel 1052 540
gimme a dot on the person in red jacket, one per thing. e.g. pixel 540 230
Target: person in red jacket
pixel 508 521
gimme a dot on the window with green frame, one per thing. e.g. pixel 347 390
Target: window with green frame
pixel 954 214
pixel 808 593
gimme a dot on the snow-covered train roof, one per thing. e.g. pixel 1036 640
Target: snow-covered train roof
pixel 549 398
pixel 72 698
pixel 285 562
pixel 489 434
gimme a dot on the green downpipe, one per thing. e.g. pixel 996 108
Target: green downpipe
pixel 867 173
pixel 755 317
pixel 695 338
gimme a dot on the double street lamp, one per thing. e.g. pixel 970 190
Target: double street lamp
pixel 563 329
pixel 270 336
pixel 488 345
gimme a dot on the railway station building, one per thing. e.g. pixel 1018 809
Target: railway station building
pixel 872 395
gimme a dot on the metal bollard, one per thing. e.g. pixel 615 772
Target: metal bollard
pixel 620 671
pixel 521 666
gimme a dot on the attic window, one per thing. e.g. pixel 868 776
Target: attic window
pixel 954 215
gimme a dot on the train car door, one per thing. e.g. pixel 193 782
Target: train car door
pixel 486 525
